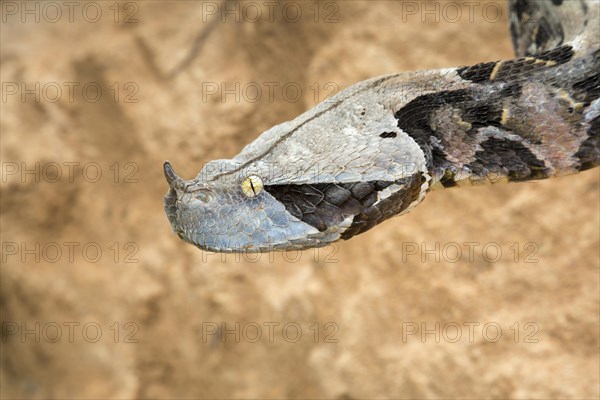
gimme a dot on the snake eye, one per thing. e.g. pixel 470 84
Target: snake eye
pixel 252 186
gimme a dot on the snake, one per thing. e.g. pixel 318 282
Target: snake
pixel 374 150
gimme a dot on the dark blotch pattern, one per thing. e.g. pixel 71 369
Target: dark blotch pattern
pixel 477 73
pixel 327 204
pixel 503 157
pixel 447 180
pixel 498 157
pixel 559 55
pixel 548 32
pixel 416 116
pixel 517 68
pixel 521 11
pixel 524 7
pixel 532 22
pixel 393 205
pixel 588 89
pixel 589 152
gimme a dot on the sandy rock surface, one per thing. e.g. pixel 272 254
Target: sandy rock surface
pixel 484 292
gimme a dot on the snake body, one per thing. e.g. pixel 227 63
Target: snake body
pixel 376 149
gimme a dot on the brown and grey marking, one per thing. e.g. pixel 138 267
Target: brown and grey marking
pixel 374 150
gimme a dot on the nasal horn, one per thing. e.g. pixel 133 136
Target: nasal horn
pixel 174 181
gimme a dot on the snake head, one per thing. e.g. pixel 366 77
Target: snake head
pixel 332 173
pixel 232 213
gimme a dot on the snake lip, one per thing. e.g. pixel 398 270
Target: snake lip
pixel 174 181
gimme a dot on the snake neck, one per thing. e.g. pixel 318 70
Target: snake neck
pixel 531 117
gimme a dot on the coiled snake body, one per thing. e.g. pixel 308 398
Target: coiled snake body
pixel 375 149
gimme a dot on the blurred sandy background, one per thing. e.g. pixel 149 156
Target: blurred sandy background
pixel 504 279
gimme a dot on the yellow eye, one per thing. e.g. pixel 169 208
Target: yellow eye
pixel 252 186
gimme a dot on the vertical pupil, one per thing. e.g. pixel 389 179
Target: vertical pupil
pixel 252 186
